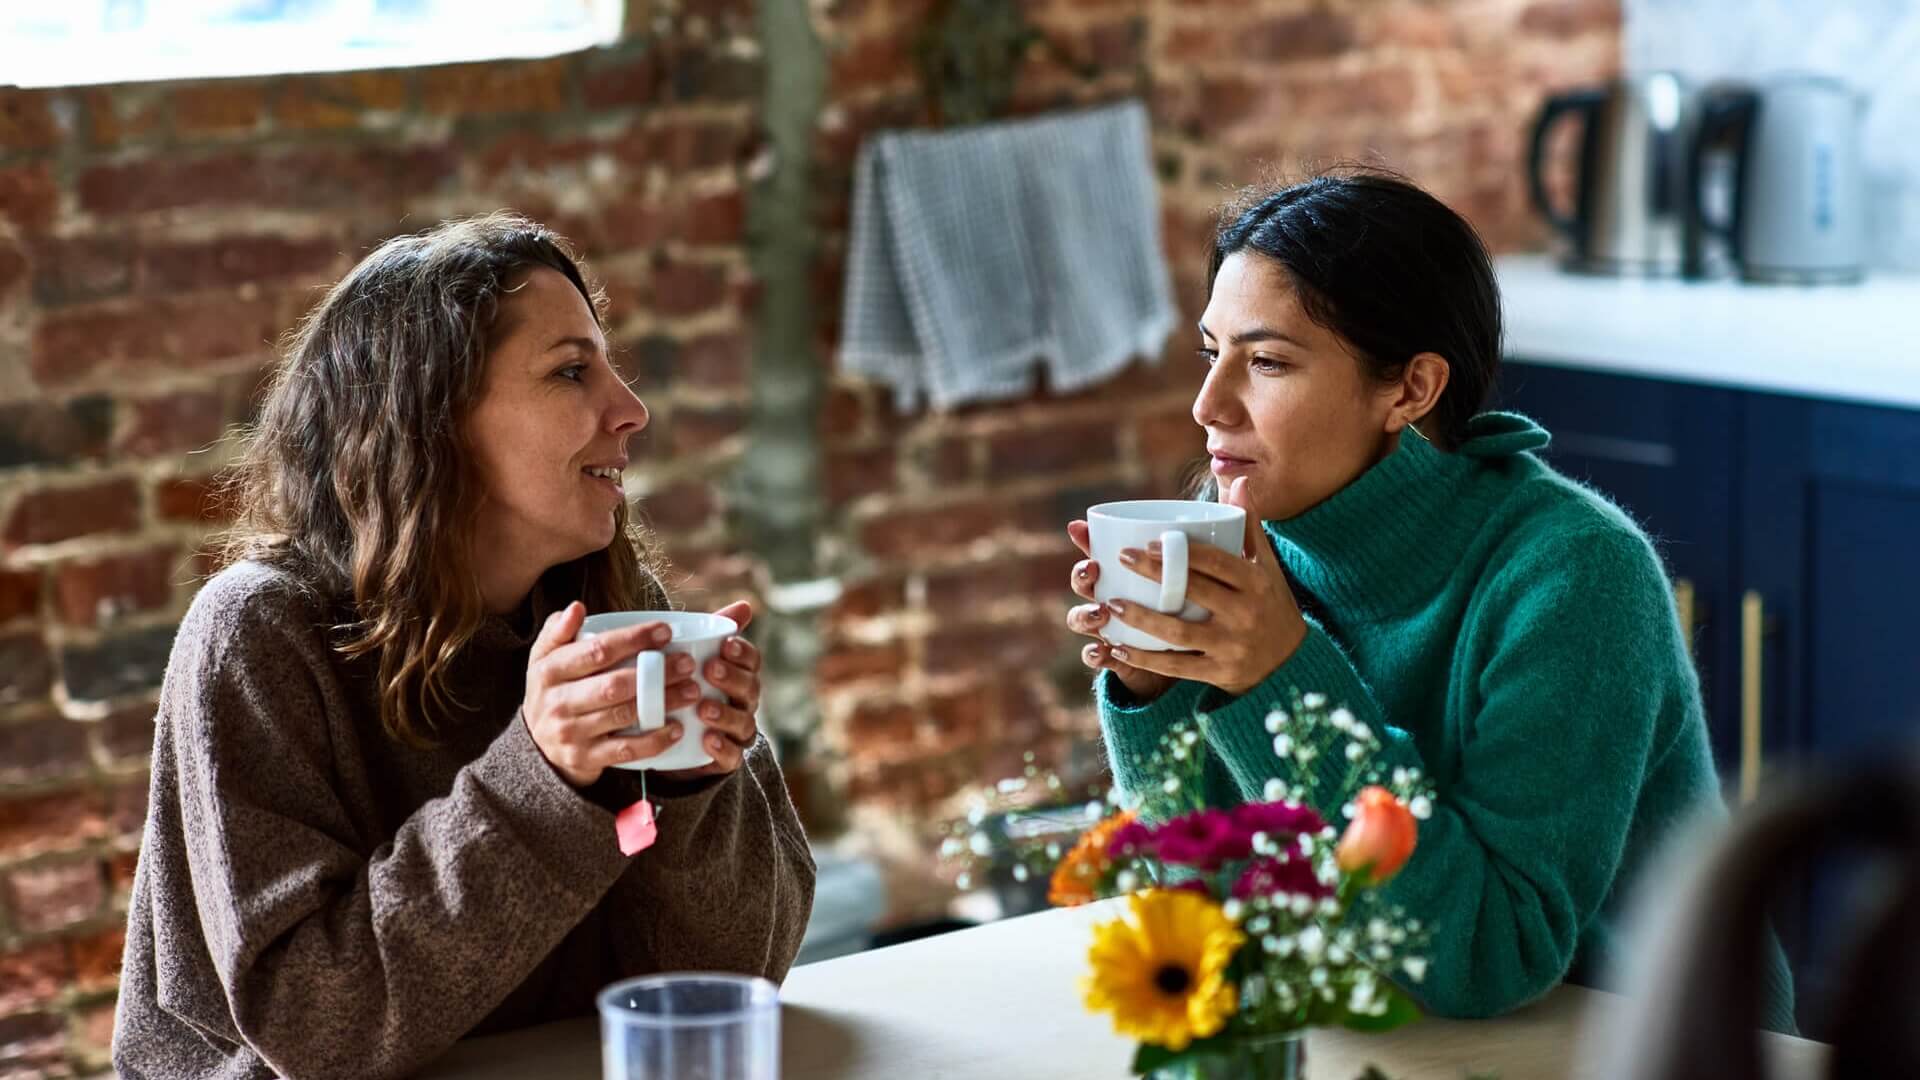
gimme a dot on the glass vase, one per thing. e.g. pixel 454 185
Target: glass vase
pixel 1281 1056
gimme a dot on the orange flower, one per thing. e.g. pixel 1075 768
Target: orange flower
pixel 1080 872
pixel 1380 838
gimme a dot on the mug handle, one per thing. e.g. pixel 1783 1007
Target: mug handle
pixel 1173 571
pixel 652 696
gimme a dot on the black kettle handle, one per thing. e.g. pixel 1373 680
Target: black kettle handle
pixel 1556 108
pixel 1726 116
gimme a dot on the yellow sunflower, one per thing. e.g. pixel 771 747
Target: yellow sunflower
pixel 1162 974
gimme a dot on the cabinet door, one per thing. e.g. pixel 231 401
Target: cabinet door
pixel 1664 452
pixel 1830 552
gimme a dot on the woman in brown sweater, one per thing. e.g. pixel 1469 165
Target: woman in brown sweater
pixel 382 813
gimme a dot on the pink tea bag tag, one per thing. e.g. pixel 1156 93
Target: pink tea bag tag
pixel 635 827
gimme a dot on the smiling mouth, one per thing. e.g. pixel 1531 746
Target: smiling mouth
pixel 607 475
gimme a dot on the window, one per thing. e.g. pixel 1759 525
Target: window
pixel 72 42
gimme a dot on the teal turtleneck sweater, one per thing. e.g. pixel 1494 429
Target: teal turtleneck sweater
pixel 1511 634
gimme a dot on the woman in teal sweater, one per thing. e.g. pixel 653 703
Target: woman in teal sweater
pixel 1505 630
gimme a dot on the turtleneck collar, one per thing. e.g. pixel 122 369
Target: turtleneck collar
pixel 1384 543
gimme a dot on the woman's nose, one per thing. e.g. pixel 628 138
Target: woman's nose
pixel 628 414
pixel 1215 405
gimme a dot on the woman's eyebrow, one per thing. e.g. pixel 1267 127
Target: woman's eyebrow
pixel 1258 333
pixel 586 343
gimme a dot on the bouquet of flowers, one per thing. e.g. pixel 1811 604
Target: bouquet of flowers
pixel 1249 923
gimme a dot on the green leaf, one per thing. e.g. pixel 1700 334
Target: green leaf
pixel 1400 1010
pixel 1151 1056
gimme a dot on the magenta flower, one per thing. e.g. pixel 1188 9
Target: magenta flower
pixel 1290 873
pixel 1203 839
pixel 1277 819
pixel 1131 840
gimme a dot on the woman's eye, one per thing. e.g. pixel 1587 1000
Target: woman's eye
pixel 573 372
pixel 1268 365
pixel 1209 355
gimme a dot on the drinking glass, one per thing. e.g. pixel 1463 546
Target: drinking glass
pixel 690 1026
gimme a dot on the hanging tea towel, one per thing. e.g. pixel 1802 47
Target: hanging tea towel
pixel 978 255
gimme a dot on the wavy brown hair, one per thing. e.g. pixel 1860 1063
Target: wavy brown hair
pixel 357 477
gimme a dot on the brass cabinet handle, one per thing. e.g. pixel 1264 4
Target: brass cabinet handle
pixel 1753 617
pixel 1683 600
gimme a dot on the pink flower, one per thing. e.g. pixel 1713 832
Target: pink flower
pixel 1277 819
pixel 1131 840
pixel 1290 873
pixel 1202 839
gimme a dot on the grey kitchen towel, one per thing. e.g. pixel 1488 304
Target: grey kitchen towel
pixel 977 255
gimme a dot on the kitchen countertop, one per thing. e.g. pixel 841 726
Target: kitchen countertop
pixel 1848 342
pixel 1003 1000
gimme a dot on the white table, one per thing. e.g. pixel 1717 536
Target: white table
pixel 1003 1001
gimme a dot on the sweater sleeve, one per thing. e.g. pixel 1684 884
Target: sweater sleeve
pixel 338 958
pixel 1133 728
pixel 1521 852
pixel 728 886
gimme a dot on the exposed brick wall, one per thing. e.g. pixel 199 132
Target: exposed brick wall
pixel 154 240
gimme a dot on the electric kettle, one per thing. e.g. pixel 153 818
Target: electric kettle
pixel 1633 195
pixel 1799 189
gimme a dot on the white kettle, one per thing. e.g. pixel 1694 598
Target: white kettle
pixel 1799 188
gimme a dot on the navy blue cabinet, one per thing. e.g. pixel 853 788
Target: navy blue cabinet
pixel 1793 526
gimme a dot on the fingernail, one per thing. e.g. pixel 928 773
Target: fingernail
pixel 673 730
pixel 683 664
pixel 714 743
pixel 735 648
pixel 1118 605
pixel 710 711
pixel 1118 652
pixel 660 635
pixel 1153 548
pixel 716 670
pixel 1129 556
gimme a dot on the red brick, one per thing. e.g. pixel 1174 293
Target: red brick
pixel 53 896
pixel 322 177
pixel 40 824
pixel 327 102
pixel 224 107
pixel 962 719
pixel 190 498
pixel 715 361
pixel 631 79
pixel 93 1028
pixel 52 514
pixel 498 86
pixel 127 811
pixel 234 260
pixel 981 585
pixel 46 748
pixel 33 1044
pixel 1571 18
pixel 682 145
pixel 872 61
pixel 33 975
pixel 26 121
pixel 684 288
pixel 843 414
pixel 19 594
pixel 696 430
pixel 1116 45
pixel 121 867
pixel 93 592
pixel 120 115
pixel 910 533
pixel 852 474
pixel 852 663
pixel 718 219
pixel 681 508
pixel 95 958
pixel 880 731
pixel 71 270
pixel 14 268
pixel 866 599
pixel 28 196
pixel 1006 649
pixel 152 336
pixel 172 424
pixel 1303 36
pixel 126 736
pixel 1048 447
pixel 1170 437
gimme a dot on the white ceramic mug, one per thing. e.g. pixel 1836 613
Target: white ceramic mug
pixel 695 633
pixel 1174 523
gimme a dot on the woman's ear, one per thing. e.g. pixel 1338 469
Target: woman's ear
pixel 1417 391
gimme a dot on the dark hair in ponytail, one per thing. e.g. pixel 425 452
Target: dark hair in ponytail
pixel 1390 269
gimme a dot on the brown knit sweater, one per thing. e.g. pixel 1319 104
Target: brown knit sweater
pixel 314 899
